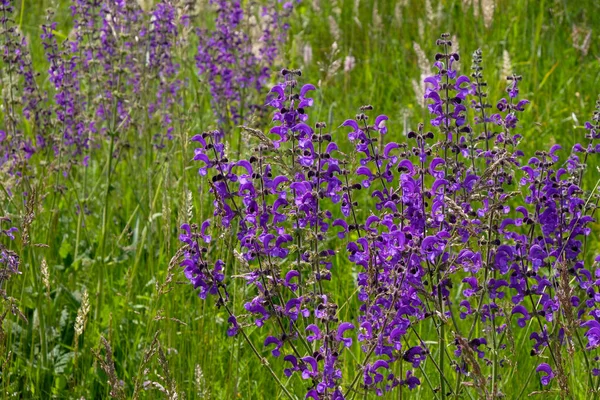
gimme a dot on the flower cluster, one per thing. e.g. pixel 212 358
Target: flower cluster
pixel 236 57
pixel 22 98
pixel 274 218
pixel 118 76
pixel 450 261
pixel 9 260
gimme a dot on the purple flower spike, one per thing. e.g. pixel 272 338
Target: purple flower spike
pixel 433 226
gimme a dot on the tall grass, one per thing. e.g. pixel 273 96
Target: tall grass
pixel 104 310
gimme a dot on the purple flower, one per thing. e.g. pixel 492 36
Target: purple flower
pixel 411 381
pixel 549 374
pixel 344 326
pixel 372 375
pixel 592 334
pixel 525 315
pixel 278 343
pixel 415 355
pixel 233 330
pixel 235 63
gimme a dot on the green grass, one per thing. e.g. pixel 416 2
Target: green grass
pixel 123 258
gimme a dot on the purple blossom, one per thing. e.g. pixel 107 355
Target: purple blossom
pixel 549 374
pixel 433 229
pixel 235 63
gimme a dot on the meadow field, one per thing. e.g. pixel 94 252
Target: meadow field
pixel 323 199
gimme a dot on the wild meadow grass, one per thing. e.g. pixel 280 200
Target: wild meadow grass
pixel 100 306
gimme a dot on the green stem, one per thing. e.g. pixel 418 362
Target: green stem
pixel 102 271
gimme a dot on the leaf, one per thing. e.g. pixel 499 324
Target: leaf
pixel 65 249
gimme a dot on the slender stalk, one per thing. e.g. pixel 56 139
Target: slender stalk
pixel 102 269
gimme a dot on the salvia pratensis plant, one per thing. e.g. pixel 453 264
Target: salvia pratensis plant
pixel 110 95
pixel 236 56
pixel 22 101
pixel 119 73
pixel 457 238
pixel 463 249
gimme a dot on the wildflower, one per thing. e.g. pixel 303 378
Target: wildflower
pixel 549 374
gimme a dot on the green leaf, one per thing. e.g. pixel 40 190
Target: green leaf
pixel 65 248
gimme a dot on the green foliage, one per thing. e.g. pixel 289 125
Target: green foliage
pixel 136 302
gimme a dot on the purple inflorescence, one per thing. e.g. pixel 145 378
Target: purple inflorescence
pixel 237 62
pixel 433 228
